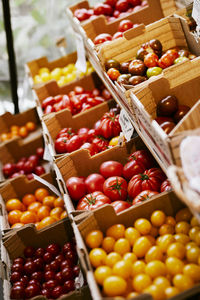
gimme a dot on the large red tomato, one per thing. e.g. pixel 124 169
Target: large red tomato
pixel 76 188
pixel 109 126
pixel 150 180
pixel 143 157
pixel 100 143
pixel 60 145
pixel 94 182
pixel 133 167
pixel 165 186
pixel 93 201
pixel 74 143
pixel 120 205
pixel 111 168
pixel 115 188
pixel 144 195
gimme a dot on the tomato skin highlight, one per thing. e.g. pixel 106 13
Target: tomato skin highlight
pixel 111 168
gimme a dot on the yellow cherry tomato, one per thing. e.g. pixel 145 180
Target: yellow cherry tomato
pixel 130 257
pixel 182 238
pixel 155 268
pixel 193 254
pixel 162 282
pixel 108 244
pixel 114 141
pixel 122 246
pixel 94 239
pixel 176 250
pixel 183 215
pixel 154 253
pixel 122 268
pixel 114 286
pixel 141 246
pixel 156 292
pixel 158 218
pixel 112 258
pixel 194 222
pixel 101 273
pixel 97 257
pixel 132 234
pixel 183 282
pixel 182 227
pixel 138 267
pixel 164 242
pixel 171 291
pixel 192 271
pixel 174 265
pixel 141 282
pixel 116 231
pixel 143 226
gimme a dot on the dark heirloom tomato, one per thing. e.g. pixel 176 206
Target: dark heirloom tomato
pixel 124 67
pixel 167 106
pixel 181 112
pixel 93 201
pixel 165 186
pixel 150 180
pixel 109 126
pixel 143 157
pixel 144 195
pixel 167 126
pixel 76 188
pixel 137 67
pixel 151 60
pixel 111 168
pixel 134 80
pixel 161 120
pixel 113 73
pixel 115 188
pixel 112 63
pixel 120 205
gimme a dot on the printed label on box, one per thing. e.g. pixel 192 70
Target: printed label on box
pixel 196 11
pixel 126 125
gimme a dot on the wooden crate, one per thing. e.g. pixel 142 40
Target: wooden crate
pixel 54 122
pixel 105 217
pixel 13 151
pixel 13 246
pixel 171 31
pixel 154 11
pixel 13 189
pixel 51 88
pixel 80 163
pixel 185 85
pixel 32 67
pixel 7 120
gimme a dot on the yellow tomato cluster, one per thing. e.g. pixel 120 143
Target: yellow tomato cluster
pixel 61 75
pixel 160 257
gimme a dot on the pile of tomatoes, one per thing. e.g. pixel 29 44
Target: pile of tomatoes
pixel 76 101
pixel 49 272
pixel 94 140
pixel 39 208
pixel 119 185
pixel 26 166
pixel 111 9
pixel 18 131
pixel 150 61
pixel 160 256
pixel 124 25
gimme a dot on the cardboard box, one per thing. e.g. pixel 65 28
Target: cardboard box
pixel 154 11
pixel 51 88
pixel 11 152
pixel 185 85
pixel 13 189
pixel 14 245
pixel 7 120
pixel 32 67
pixel 54 122
pixel 104 217
pixel 80 163
pixel 171 31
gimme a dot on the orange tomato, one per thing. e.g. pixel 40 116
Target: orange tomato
pixel 17 225
pixel 37 225
pixel 28 199
pixel 4 137
pixel 63 215
pixel 59 202
pixel 14 204
pixel 47 221
pixel 41 193
pixel 14 216
pixel 49 201
pixel 30 126
pixel 43 212
pixel 28 217
pixel 34 206
pixel 14 134
pixel 23 132
pixel 14 128
pixel 56 212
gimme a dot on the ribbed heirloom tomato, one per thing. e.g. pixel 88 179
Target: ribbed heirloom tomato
pixel 109 125
pixel 92 201
pixel 150 180
pixel 144 195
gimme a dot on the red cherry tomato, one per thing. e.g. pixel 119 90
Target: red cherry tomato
pixel 93 201
pixel 102 38
pixel 115 188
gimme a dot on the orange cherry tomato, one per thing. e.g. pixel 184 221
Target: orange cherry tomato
pixel 41 193
pixel 28 199
pixel 30 126
pixel 28 217
pixel 23 132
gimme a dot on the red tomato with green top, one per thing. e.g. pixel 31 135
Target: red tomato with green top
pixel 93 201
pixel 144 195
pixel 115 188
